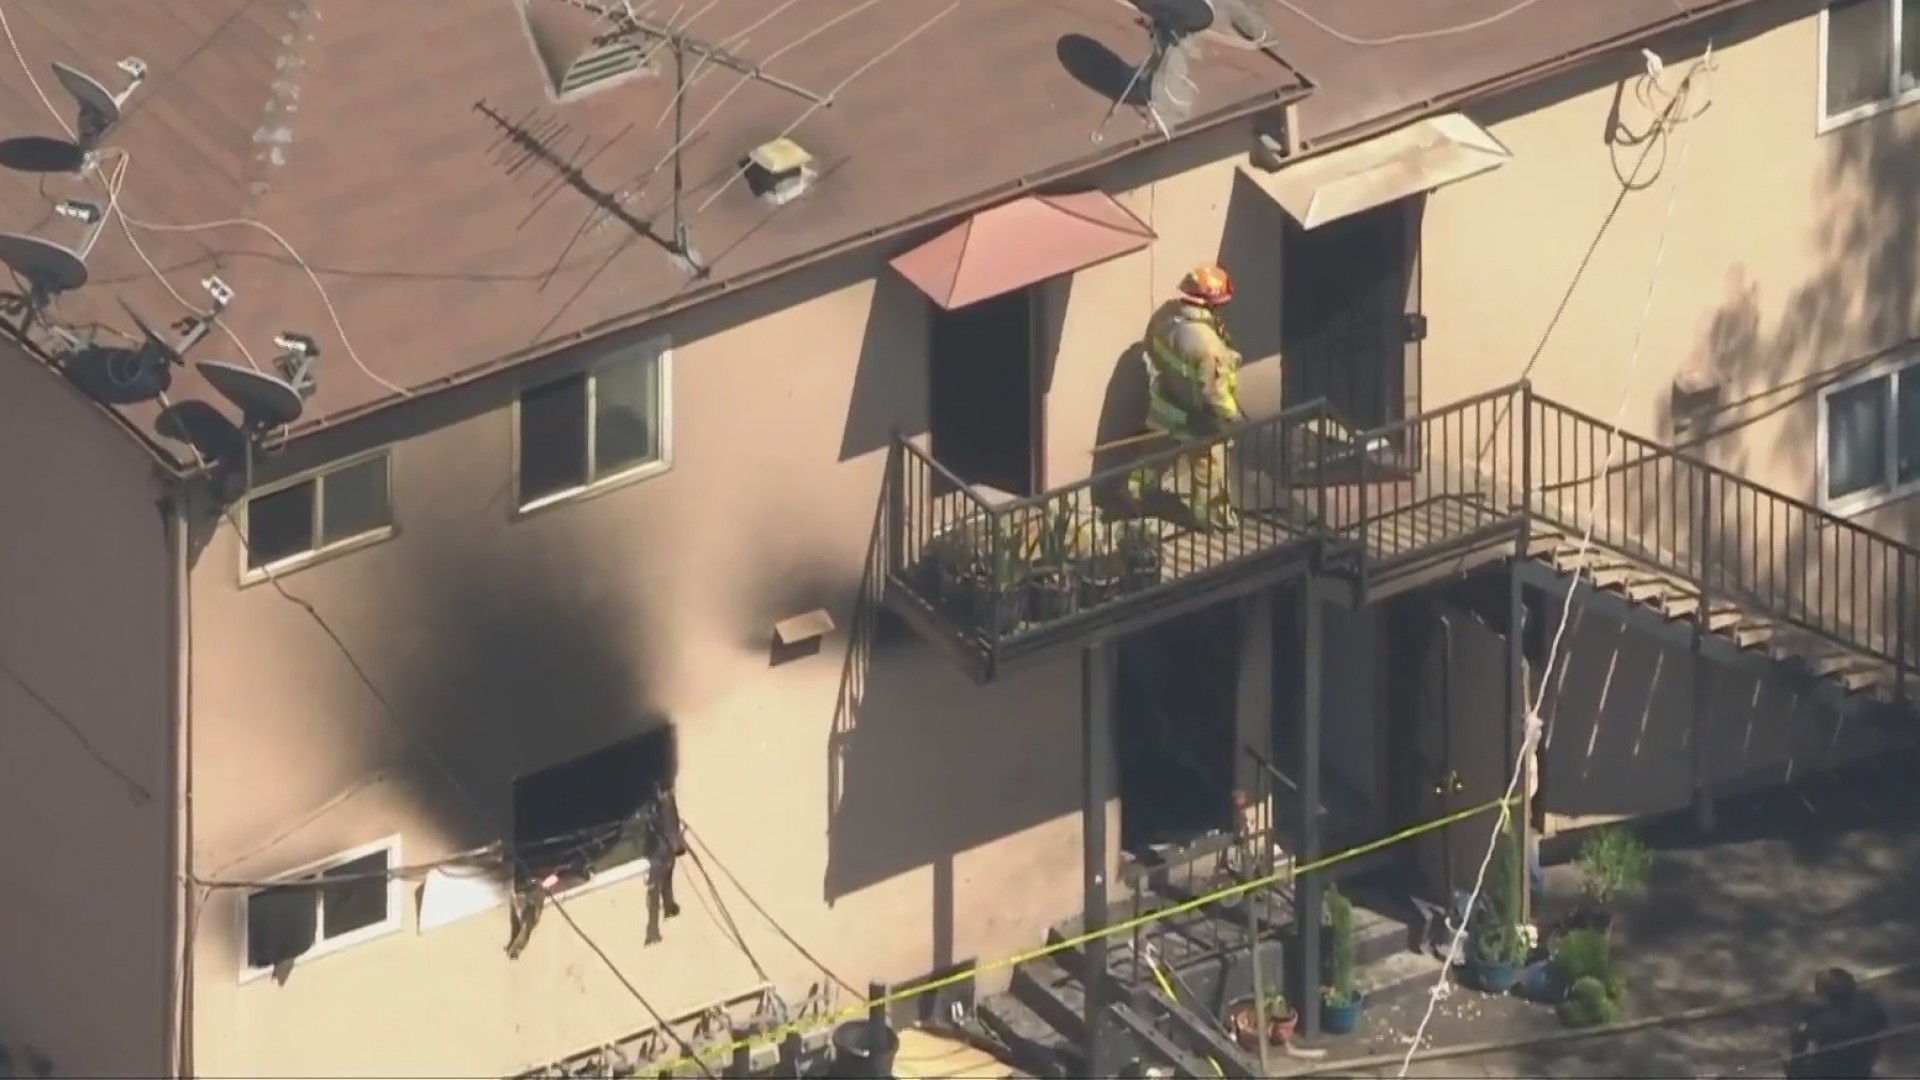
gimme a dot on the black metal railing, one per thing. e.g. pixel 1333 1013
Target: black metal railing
pixel 1002 571
pixel 1726 538
pixel 1027 568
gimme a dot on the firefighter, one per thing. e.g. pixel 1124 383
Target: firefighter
pixel 1193 375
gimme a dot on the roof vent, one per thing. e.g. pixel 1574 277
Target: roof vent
pixel 780 171
pixel 574 50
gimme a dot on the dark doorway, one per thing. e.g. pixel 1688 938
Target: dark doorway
pixel 1350 328
pixel 985 407
pixel 1175 726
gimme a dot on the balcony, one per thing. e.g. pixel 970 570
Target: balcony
pixel 994 580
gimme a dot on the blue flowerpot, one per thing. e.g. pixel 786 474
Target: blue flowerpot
pixel 1494 978
pixel 1540 985
pixel 1341 1019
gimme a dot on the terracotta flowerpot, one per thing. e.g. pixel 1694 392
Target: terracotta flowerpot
pixel 1280 1028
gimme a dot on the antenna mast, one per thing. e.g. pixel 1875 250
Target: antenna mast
pixel 628 24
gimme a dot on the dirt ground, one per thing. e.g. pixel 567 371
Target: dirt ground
pixel 1824 874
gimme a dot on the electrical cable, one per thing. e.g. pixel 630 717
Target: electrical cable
pixel 1400 39
pixel 137 793
pixel 1532 728
pixel 863 1006
pixel 522 870
pixel 491 855
pixel 705 854
pixel 871 62
pixel 129 222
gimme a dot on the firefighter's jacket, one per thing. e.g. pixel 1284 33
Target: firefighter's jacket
pixel 1194 372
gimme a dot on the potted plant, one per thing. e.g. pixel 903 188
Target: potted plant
pixel 1139 546
pixel 1497 947
pixel 1340 1002
pixel 1613 865
pixel 1103 567
pixel 945 563
pixel 1281 1020
pixel 1591 987
pixel 1054 578
pixel 1243 1022
pixel 997 583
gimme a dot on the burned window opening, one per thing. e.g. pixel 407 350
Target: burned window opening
pixel 584 817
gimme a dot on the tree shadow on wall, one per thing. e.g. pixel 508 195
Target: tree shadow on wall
pixel 1751 405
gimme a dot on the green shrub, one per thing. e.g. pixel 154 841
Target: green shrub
pixel 1496 935
pixel 1613 863
pixel 1341 991
pixel 1588 1004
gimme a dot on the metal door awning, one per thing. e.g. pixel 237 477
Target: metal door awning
pixel 1422 156
pixel 1019 243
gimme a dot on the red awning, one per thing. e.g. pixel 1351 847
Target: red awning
pixel 1019 243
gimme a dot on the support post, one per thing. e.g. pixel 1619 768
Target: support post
pixel 1900 617
pixel 1700 730
pixel 1096 784
pixel 1516 694
pixel 1309 889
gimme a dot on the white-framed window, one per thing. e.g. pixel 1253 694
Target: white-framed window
pixel 1869 58
pixel 1870 437
pixel 608 424
pixel 350 898
pixel 342 506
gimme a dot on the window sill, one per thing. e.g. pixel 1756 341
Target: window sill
pixel 1865 502
pixel 594 490
pixel 329 947
pixel 295 563
pixel 1829 124
pixel 623 872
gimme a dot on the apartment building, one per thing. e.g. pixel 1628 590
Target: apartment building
pixel 645 450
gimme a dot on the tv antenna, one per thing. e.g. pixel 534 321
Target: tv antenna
pixel 100 108
pixel 1171 28
pixel 628 24
pixel 266 402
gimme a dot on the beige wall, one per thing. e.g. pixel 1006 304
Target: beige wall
pixel 846 794
pixel 1790 255
pixel 84 704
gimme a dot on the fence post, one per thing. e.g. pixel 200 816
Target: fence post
pixel 1365 530
pixel 1526 447
pixel 896 496
pixel 1900 616
pixel 1701 728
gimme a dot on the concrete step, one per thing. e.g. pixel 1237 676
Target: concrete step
pixel 1055 995
pixel 1034 1045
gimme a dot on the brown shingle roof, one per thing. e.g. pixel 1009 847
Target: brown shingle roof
pixel 458 216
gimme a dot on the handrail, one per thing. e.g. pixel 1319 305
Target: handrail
pixel 1506 456
pixel 1655 450
pixel 1106 477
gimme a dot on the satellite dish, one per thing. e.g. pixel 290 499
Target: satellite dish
pixel 99 108
pixel 1182 18
pixel 266 402
pixel 1171 26
pixel 154 345
pixel 49 269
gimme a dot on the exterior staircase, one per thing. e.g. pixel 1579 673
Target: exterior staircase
pixel 1757 571
pixel 1506 473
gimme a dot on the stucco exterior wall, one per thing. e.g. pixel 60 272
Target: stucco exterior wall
pixel 892 816
pixel 84 704
pixel 1787 256
pixel 1783 258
